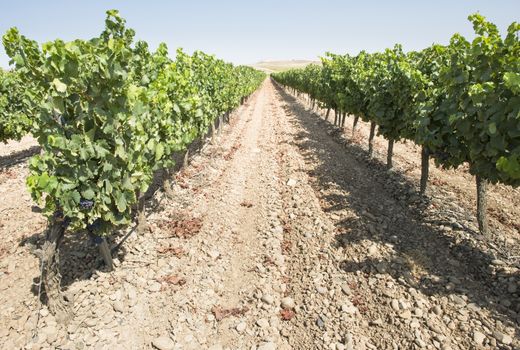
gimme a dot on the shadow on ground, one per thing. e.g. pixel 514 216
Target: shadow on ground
pixel 78 255
pixel 17 157
pixel 391 212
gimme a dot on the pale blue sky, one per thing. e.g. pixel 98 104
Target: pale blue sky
pixel 247 31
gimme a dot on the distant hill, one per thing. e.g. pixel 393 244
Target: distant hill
pixel 278 66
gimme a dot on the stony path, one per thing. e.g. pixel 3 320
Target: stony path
pixel 278 235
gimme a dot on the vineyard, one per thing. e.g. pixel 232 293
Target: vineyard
pixel 459 102
pixel 110 114
pixel 170 203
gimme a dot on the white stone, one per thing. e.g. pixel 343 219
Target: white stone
pixel 478 337
pixel 288 303
pixel 267 346
pixel 268 299
pixel 163 343
pixel 373 250
pixel 503 338
pixel 241 327
pixel 291 182
pixel 262 323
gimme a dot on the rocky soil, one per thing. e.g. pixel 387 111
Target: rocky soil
pixel 280 234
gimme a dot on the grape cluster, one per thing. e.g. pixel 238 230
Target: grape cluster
pixel 86 204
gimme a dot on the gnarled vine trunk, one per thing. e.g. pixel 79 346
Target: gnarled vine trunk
pixel 371 139
pixel 482 205
pixel 389 154
pixel 186 160
pixel 57 303
pixel 167 183
pixel 354 124
pixel 220 124
pixel 213 132
pixel 425 168
pixel 104 250
pixel 142 224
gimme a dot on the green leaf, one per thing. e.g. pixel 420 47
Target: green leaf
pixel 492 128
pixel 75 196
pixel 120 202
pixel 107 113
pixel 59 86
pixel 88 194
pixel 512 81
pixel 159 151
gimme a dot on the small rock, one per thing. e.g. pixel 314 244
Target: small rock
pixel 51 333
pixel 349 309
pixel 44 312
pixel 262 323
pixel 291 182
pixel 213 254
pixel 118 306
pixel 373 250
pixel 478 337
pixel 115 296
pixel 40 338
pixel 381 268
pixel 267 346
pixel 437 310
pixel 340 346
pixel 395 304
pixel 420 343
pixel 154 287
pixel 435 279
pixel 163 343
pixel 458 300
pixel 90 322
pixel 321 290
pixel 454 280
pixel 505 302
pixel 406 314
pixel 268 299
pixel 288 303
pixel 503 338
pixel 376 322
pixel 346 289
pixel 498 262
pixel 418 312
pixel 241 327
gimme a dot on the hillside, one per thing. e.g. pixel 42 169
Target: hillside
pixel 278 66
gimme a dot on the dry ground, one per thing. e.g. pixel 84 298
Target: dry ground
pixel 280 235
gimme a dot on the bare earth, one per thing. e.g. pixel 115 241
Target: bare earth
pixel 279 235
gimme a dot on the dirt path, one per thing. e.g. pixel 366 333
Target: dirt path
pixel 277 211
